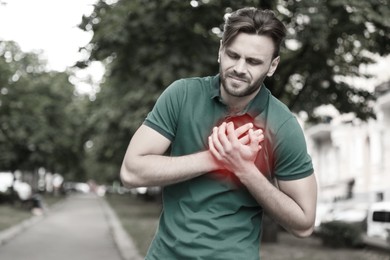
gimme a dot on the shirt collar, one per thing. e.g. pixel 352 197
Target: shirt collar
pixel 215 84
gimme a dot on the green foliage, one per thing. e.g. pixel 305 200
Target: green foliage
pixel 40 118
pixel 341 234
pixel 333 39
pixel 146 45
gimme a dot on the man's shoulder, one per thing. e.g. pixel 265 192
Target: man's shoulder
pixel 195 81
pixel 279 107
pixel 193 85
pixel 278 112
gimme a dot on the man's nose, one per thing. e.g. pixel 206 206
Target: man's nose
pixel 240 66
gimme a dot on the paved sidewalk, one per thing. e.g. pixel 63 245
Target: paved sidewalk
pixel 82 227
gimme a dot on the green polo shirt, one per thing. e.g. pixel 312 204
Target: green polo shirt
pixel 214 216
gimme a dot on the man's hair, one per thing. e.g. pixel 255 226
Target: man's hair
pixel 254 21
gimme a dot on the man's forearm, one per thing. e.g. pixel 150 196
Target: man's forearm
pixel 297 219
pixel 160 170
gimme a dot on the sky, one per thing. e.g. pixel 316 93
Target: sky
pixel 51 26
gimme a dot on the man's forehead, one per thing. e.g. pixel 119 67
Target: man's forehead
pixel 252 45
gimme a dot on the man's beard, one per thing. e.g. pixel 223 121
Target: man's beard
pixel 235 91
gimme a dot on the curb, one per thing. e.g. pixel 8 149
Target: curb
pixel 123 241
pixel 13 231
pixel 9 233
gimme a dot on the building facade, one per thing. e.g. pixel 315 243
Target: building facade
pixel 352 157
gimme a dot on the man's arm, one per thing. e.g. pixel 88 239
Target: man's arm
pixel 292 204
pixel 145 164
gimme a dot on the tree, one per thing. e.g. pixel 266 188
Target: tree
pixel 41 120
pixel 148 44
pixel 330 39
pixel 142 59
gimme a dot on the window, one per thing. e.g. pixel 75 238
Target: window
pixel 381 216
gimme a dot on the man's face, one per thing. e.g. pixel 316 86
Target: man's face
pixel 245 63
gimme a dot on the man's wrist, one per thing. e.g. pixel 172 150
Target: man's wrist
pixel 209 161
pixel 248 174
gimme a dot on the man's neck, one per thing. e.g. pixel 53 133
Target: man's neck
pixel 236 104
pixel 236 110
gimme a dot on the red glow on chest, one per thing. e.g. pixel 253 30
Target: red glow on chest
pixel 264 160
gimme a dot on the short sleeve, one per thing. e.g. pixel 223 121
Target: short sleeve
pixel 292 160
pixel 164 116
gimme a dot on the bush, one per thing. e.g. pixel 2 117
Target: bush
pixel 341 234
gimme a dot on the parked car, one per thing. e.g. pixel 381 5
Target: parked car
pixel 378 221
pixel 80 187
pixel 345 214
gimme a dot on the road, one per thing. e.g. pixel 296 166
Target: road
pixel 82 227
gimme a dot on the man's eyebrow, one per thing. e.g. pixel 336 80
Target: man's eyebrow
pixel 230 51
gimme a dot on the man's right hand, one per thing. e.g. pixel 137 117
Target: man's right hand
pixel 232 153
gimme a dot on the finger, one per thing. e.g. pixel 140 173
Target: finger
pixel 243 129
pixel 231 133
pixel 259 133
pixel 215 139
pixel 255 140
pixel 213 150
pixel 245 138
pixel 222 135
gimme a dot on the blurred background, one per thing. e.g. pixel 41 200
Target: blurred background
pixel 77 78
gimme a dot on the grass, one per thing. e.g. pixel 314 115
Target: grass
pixel 138 217
pixel 13 214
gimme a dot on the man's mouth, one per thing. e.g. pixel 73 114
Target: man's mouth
pixel 237 79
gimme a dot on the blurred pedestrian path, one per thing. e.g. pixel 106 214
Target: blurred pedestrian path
pixel 82 227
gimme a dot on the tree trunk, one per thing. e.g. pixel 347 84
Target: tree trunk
pixel 270 230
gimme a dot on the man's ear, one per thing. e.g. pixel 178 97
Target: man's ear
pixel 274 65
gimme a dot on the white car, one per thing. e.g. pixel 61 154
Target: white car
pixel 378 221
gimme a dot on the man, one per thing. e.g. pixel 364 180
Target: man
pixel 235 151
